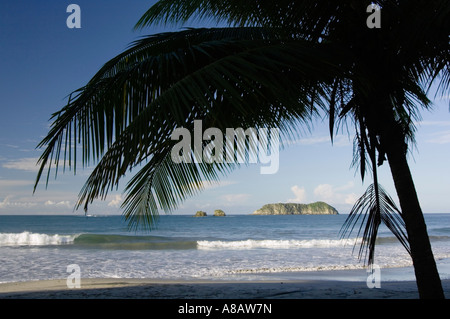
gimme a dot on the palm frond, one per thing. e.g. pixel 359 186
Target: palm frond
pixel 374 207
pixel 125 115
pixel 309 18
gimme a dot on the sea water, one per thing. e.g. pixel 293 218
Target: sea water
pixel 234 247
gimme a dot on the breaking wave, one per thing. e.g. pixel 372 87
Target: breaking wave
pixel 116 241
pixel 34 239
pixel 276 244
pixel 102 241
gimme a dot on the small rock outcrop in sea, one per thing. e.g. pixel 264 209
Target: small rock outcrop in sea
pixel 219 212
pixel 200 214
pixel 317 208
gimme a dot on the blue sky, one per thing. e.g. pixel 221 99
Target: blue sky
pixel 42 61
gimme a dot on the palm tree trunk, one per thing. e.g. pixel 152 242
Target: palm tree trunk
pixel 427 276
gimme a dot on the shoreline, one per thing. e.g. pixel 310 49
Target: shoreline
pixel 124 288
pixel 394 283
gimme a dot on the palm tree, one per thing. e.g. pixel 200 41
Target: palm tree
pixel 291 59
pixel 126 114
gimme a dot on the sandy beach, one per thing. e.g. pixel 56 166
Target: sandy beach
pixel 153 289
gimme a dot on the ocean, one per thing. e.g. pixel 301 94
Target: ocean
pixel 235 247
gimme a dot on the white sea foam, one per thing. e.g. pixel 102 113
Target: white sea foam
pixel 34 239
pixel 297 269
pixel 277 244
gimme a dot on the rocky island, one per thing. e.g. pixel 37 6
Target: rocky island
pixel 219 212
pixel 317 208
pixel 200 214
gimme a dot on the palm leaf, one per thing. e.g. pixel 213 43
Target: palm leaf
pixel 312 16
pixel 125 115
pixel 374 207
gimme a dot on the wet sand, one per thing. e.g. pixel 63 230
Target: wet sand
pixel 97 288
